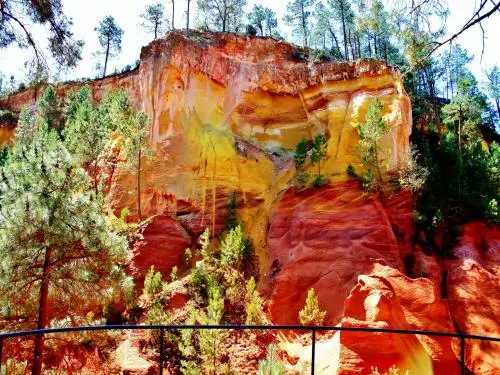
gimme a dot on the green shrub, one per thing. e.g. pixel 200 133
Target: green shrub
pixel 233 247
pixel 311 314
pixel 271 365
pixel 492 212
pixel 254 312
pixel 153 284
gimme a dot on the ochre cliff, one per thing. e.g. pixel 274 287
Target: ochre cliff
pixel 227 112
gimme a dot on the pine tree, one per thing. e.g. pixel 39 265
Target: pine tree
pixel 110 39
pixel 298 14
pixel 211 340
pixel 222 15
pixel 134 127
pixel 56 247
pixel 153 19
pixel 263 18
pixel 493 86
pixel 17 22
pixel 271 365
pixel 311 314
pixel 319 151
pixel 300 156
pixel 87 132
pixel 368 149
pixel 233 247
pixel 254 312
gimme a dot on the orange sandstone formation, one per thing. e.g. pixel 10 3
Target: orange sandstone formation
pixel 227 112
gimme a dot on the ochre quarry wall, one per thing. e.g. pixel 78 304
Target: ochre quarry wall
pixel 227 112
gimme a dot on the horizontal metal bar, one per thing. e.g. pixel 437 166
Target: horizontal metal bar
pixel 244 327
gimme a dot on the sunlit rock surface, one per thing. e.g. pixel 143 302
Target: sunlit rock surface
pixel 227 112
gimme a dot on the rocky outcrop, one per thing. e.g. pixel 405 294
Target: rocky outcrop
pixel 163 244
pixel 227 112
pixel 324 239
pixel 473 290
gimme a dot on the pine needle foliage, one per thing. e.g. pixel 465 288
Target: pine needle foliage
pixel 368 149
pixel 57 247
pixel 271 365
pixel 233 247
pixel 311 315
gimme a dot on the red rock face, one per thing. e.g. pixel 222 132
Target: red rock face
pixel 385 298
pixel 163 246
pixel 324 239
pixel 473 288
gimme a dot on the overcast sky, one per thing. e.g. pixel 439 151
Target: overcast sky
pixel 86 15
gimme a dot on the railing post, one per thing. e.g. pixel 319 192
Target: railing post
pixel 313 349
pixel 462 355
pixel 162 344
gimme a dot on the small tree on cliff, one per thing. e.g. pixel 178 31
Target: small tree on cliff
pixel 311 314
pixel 110 39
pixel 300 156
pixel 370 135
pixel 153 19
pixel 318 154
pixel 263 18
pixel 56 247
pixel 134 127
pixel 224 16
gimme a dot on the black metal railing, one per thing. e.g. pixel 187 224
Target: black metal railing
pixel 312 329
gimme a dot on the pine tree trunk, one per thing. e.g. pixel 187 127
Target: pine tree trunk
pixel 173 14
pixel 187 18
pixel 346 52
pixel 304 25
pixel 106 59
pixel 43 319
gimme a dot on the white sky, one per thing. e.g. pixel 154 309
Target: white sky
pixel 87 13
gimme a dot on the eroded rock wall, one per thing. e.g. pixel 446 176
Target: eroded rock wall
pixel 227 112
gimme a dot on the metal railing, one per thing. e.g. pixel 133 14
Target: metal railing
pixel 312 329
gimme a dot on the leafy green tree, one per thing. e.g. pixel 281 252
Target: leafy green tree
pixel 298 15
pixel 368 149
pixel 311 313
pixel 56 246
pixel 17 20
pixel 222 15
pixel 271 365
pixel 264 19
pixel 110 39
pixel 318 153
pixel 300 156
pixel 153 19
pixel 134 127
pixel 493 86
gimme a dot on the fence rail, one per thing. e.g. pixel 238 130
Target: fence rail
pixel 312 329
